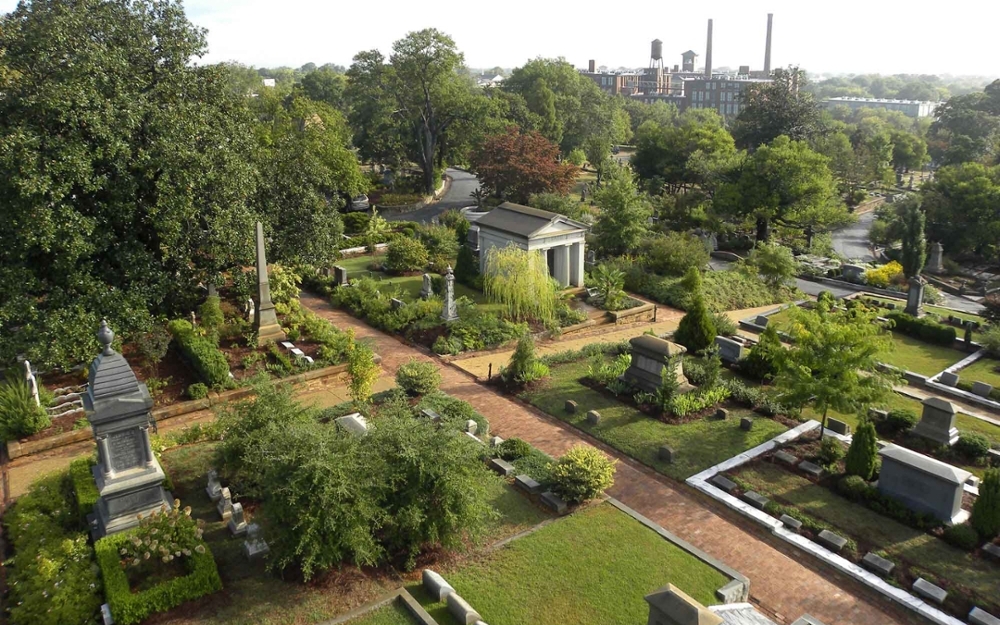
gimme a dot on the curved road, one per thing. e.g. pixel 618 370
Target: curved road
pixel 458 196
pixel 852 241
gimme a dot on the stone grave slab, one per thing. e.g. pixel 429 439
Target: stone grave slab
pixel 106 617
pixel 786 458
pixel 992 550
pixel 396 303
pixel 832 541
pixel 929 591
pixel 733 592
pixel 982 389
pixel 553 502
pixel 746 424
pixel 430 414
pixel 287 345
pixel 255 546
pixel 649 356
pixel 225 505
pixel 472 427
pixel 949 379
pixel 495 441
pixel 838 426
pixel 755 499
pixel 435 585
pixel 978 616
pixel 730 351
pixel 237 524
pixel 214 488
pixel 937 422
pixel 877 564
pixel 724 483
pixel 527 483
pixel 461 610
pixel 791 522
pixel 666 454
pixel 355 423
pixel 922 484
pixel 501 467
pixel 812 469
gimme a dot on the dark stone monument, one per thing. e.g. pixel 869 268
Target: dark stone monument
pixel 593 417
pixel 937 423
pixel 570 406
pixel 982 389
pixel 340 275
pixel 915 296
pixel 746 423
pixel 838 426
pixel 129 479
pixel 671 606
pixel 649 356
pixel 949 379
pixel 929 591
pixel 831 541
pixel 729 350
pixel 877 564
pixel 265 320
pixel 755 499
pixel 791 522
pixel 935 263
pixel 922 483
pixel 667 454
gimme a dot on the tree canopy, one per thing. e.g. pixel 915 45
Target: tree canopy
pixel 772 109
pixel 665 150
pixel 625 213
pixel 517 164
pixel 962 203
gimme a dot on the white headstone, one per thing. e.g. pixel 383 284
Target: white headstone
pixel 251 309
pixel 237 524
pixel 254 546
pixel 214 488
pixel 225 505
pixel 427 290
pixel 29 377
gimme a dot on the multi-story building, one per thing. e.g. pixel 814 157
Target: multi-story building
pixel 910 108
pixel 650 80
pixel 722 93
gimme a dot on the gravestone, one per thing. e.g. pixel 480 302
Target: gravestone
pixel 949 379
pixel 791 522
pixel 937 422
pixel 570 406
pixel 671 606
pixel 29 377
pixel 935 262
pixel 755 499
pixel 978 616
pixel 838 426
pixel 967 335
pixel 724 483
pixel 721 414
pixel 129 478
pixel 501 467
pixel 922 483
pixel 237 524
pixel 472 427
pixel 225 505
pixel 729 350
pixel 811 468
pixel 761 321
pixel 495 441
pixel 915 296
pixel 877 564
pixel 396 303
pixel 427 290
pixel 833 542
pixel 435 585
pixel 667 454
pixel 254 546
pixel 459 608
pixel 553 502
pixel 929 591
pixel 746 424
pixel 266 320
pixel 472 238
pixel 527 483
pixel 982 389
pixel 430 414
pixel 593 417
pixel 852 273
pixel 340 275
pixel 251 310
pixel 649 356
pixel 450 310
pixel 786 458
pixel 354 423
pixel 214 488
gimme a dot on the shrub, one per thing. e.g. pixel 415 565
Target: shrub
pixel 773 262
pixel 19 414
pixel 51 579
pixel 972 445
pixel 582 474
pixel 604 372
pixel 854 487
pixel 863 453
pixel 683 405
pixel 467 268
pixel 356 223
pixel 724 326
pixel 986 511
pixel 923 329
pixel 153 345
pixel 284 284
pixel 696 330
pixel 830 450
pixel 441 243
pixel 418 378
pixel 211 317
pixel 759 363
pixel 610 283
pixel 197 391
pixel 129 607
pixel 209 363
pixel 363 372
pixel 896 422
pixel 963 536
pixel 454 412
pixel 513 449
pixel 576 157
pixel 524 367
pixel 882 276
pixel 990 340
pixel 673 254
pixel 404 255
pixel 84 488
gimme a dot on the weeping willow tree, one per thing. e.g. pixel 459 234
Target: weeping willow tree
pixel 519 281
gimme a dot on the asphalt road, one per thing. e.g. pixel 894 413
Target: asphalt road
pixel 852 241
pixel 458 196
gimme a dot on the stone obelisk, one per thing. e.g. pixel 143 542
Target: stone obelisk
pixel 265 322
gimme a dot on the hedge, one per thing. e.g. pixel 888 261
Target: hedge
pixel 209 363
pixel 129 608
pixel 84 487
pixel 923 329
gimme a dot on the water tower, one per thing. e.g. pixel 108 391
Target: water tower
pixel 656 54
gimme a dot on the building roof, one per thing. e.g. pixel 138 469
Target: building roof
pixel 926 464
pixel 740 614
pixel 525 221
pixel 689 53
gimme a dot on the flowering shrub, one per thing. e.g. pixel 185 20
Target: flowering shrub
pixel 884 275
pixel 164 535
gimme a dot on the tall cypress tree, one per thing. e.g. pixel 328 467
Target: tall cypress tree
pixel 697 329
pixel 914 243
pixel 863 453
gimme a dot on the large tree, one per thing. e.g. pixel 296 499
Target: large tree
pixel 967 128
pixel 125 172
pixel 325 85
pixel 772 109
pixel 625 213
pixel 834 361
pixel 516 165
pixel 665 151
pixel 784 183
pixel 914 252
pixel 963 209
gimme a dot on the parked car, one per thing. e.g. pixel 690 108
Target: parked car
pixel 357 203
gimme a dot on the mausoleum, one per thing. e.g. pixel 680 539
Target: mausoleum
pixel 558 237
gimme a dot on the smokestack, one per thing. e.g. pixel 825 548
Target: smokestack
pixel 767 47
pixel 591 66
pixel 708 52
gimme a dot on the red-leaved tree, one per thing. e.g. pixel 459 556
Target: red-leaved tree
pixel 514 165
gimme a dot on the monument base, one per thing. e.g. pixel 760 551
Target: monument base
pixel 270 334
pixel 939 436
pixel 126 495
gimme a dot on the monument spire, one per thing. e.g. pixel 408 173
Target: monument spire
pixel 265 320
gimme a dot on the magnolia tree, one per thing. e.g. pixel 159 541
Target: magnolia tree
pixel 519 281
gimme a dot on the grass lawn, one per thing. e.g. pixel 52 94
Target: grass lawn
pixel 937 310
pixel 409 286
pixel 591 568
pixel 983 370
pixel 699 444
pixel 920 357
pixel 945 564
pixel 393 614
pixel 253 596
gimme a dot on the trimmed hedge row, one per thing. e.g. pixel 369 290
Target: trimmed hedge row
pixel 209 363
pixel 129 608
pixel 923 329
pixel 83 486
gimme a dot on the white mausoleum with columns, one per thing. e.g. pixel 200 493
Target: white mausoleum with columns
pixel 558 237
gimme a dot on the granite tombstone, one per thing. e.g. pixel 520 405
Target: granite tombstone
pixel 922 483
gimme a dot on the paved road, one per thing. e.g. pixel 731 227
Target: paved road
pixel 852 241
pixel 458 196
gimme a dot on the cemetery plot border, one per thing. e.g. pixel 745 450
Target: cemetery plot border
pixel 989 399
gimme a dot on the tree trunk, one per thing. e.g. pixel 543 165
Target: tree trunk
pixel 822 425
pixel 763 230
pixel 427 160
pixel 809 237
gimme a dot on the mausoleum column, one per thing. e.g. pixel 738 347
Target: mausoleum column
pixel 576 268
pixel 561 267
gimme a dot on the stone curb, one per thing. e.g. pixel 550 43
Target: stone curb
pixel 401 595
pixel 164 414
pixel 718 565
pixel 839 563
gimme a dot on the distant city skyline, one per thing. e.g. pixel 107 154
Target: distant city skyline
pixel 850 37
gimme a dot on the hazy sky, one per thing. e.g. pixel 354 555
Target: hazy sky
pixel 844 36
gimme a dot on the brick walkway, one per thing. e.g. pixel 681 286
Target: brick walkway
pixel 780 582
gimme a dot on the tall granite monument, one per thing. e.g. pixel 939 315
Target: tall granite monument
pixel 450 310
pixel 265 322
pixel 915 296
pixel 129 479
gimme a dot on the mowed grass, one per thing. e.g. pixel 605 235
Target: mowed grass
pixel 252 596
pixel 409 286
pixel 591 568
pixel 937 310
pixel 983 370
pixel 392 614
pixel 920 357
pixel 699 444
pixel 945 564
